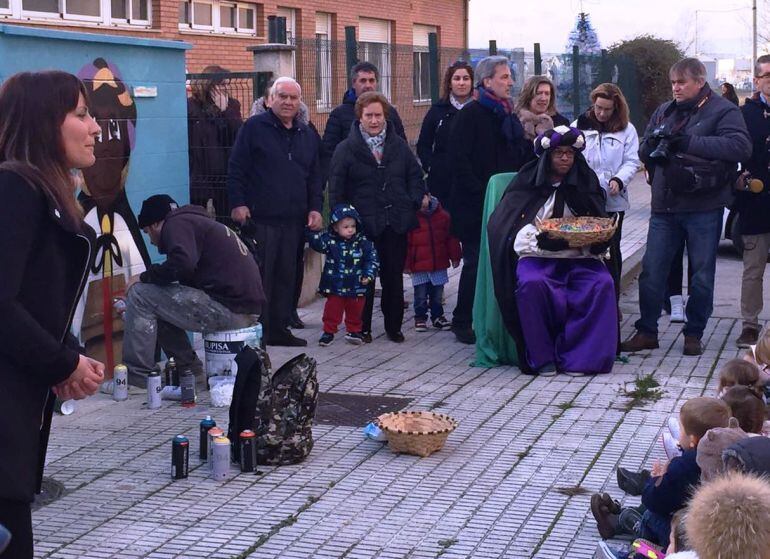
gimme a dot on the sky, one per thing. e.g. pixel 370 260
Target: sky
pixel 549 22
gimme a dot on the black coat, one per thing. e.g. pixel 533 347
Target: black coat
pixel 385 194
pixel 433 149
pixel 715 131
pixel 275 171
pixel 478 149
pixel 341 119
pixel 211 134
pixel 754 209
pixel 527 193
pixel 44 271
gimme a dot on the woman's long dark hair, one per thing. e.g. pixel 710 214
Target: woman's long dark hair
pixel 201 89
pixel 33 106
pixel 459 65
pixel 730 94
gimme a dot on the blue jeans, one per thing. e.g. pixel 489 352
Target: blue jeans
pixel 427 294
pixel 656 528
pixel 701 231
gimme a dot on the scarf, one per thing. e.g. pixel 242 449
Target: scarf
pixel 677 114
pixel 457 104
pixel 510 124
pixel 376 143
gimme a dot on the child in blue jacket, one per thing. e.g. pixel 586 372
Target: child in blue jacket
pixel 351 265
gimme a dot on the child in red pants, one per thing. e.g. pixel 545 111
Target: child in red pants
pixel 351 265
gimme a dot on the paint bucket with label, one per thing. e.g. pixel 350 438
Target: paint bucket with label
pixel 222 347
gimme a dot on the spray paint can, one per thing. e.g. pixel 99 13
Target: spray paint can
pixel 170 373
pixel 180 457
pixel 120 378
pixel 214 432
pixel 248 450
pixel 187 383
pixel 206 424
pixel 220 461
pixel 153 389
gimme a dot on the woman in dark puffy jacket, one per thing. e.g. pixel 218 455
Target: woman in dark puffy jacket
pixel 374 170
pixel 433 144
pixel 45 132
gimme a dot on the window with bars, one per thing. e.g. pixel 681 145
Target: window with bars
pixel 323 61
pixel 421 62
pixel 224 17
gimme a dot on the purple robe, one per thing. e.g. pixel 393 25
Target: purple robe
pixel 568 313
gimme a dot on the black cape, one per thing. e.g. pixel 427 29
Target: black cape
pixel 526 194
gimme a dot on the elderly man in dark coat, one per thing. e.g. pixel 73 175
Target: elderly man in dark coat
pixel 557 302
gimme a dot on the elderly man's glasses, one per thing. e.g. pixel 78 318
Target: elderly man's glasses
pixel 564 154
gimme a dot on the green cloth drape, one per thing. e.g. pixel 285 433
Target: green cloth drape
pixel 494 345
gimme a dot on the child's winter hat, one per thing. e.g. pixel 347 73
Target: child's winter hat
pixel 711 446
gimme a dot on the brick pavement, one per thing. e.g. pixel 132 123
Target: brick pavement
pixel 493 491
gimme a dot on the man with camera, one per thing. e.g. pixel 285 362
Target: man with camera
pixel 691 149
pixel 753 202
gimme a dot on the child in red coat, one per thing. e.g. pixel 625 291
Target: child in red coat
pixel 431 249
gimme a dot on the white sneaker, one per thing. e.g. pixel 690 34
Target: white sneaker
pixel 677 309
pixel 671 446
pixel 673 427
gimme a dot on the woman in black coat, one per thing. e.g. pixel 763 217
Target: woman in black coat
pixel 213 121
pixel 45 250
pixel 374 170
pixel 433 143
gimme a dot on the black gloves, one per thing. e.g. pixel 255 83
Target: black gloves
pixel 679 143
pixel 599 248
pixel 547 243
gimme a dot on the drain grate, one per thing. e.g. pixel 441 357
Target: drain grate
pixel 354 410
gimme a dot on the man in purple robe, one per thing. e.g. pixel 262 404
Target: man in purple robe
pixel 557 302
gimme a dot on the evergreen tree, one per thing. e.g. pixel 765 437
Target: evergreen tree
pixel 584 36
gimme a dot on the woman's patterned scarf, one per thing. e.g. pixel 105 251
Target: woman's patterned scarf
pixel 376 143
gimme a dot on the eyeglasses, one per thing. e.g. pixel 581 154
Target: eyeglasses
pixel 763 76
pixel 564 154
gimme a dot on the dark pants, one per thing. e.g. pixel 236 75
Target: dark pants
pixel 667 231
pixel 300 276
pixel 462 317
pixel 427 295
pixel 391 248
pixel 16 516
pixel 676 276
pixel 655 527
pixel 278 247
pixel 615 263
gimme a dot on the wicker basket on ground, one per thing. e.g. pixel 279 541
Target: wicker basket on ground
pixel 579 231
pixel 416 432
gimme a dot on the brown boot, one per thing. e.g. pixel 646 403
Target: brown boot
pixel 606 522
pixel 692 346
pixel 638 342
pixel 748 338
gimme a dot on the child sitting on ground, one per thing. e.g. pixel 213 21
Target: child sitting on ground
pixel 351 264
pixel 430 249
pixel 670 484
pixel 728 518
pixel 759 354
pixel 748 408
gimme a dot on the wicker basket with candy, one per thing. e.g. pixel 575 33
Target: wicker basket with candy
pixel 579 231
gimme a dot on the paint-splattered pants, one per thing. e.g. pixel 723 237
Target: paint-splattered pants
pixel 174 309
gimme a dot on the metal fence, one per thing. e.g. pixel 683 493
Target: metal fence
pixel 410 78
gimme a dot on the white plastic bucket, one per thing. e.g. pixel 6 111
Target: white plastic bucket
pixel 222 347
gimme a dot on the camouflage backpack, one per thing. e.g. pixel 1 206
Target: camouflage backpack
pixel 285 410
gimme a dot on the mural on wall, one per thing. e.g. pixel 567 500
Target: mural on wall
pixel 120 251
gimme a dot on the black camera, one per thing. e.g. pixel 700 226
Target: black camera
pixel 663 149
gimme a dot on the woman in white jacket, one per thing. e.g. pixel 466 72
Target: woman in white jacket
pixel 612 151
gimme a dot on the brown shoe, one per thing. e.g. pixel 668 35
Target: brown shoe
pixel 638 342
pixel 606 522
pixel 692 346
pixel 748 338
